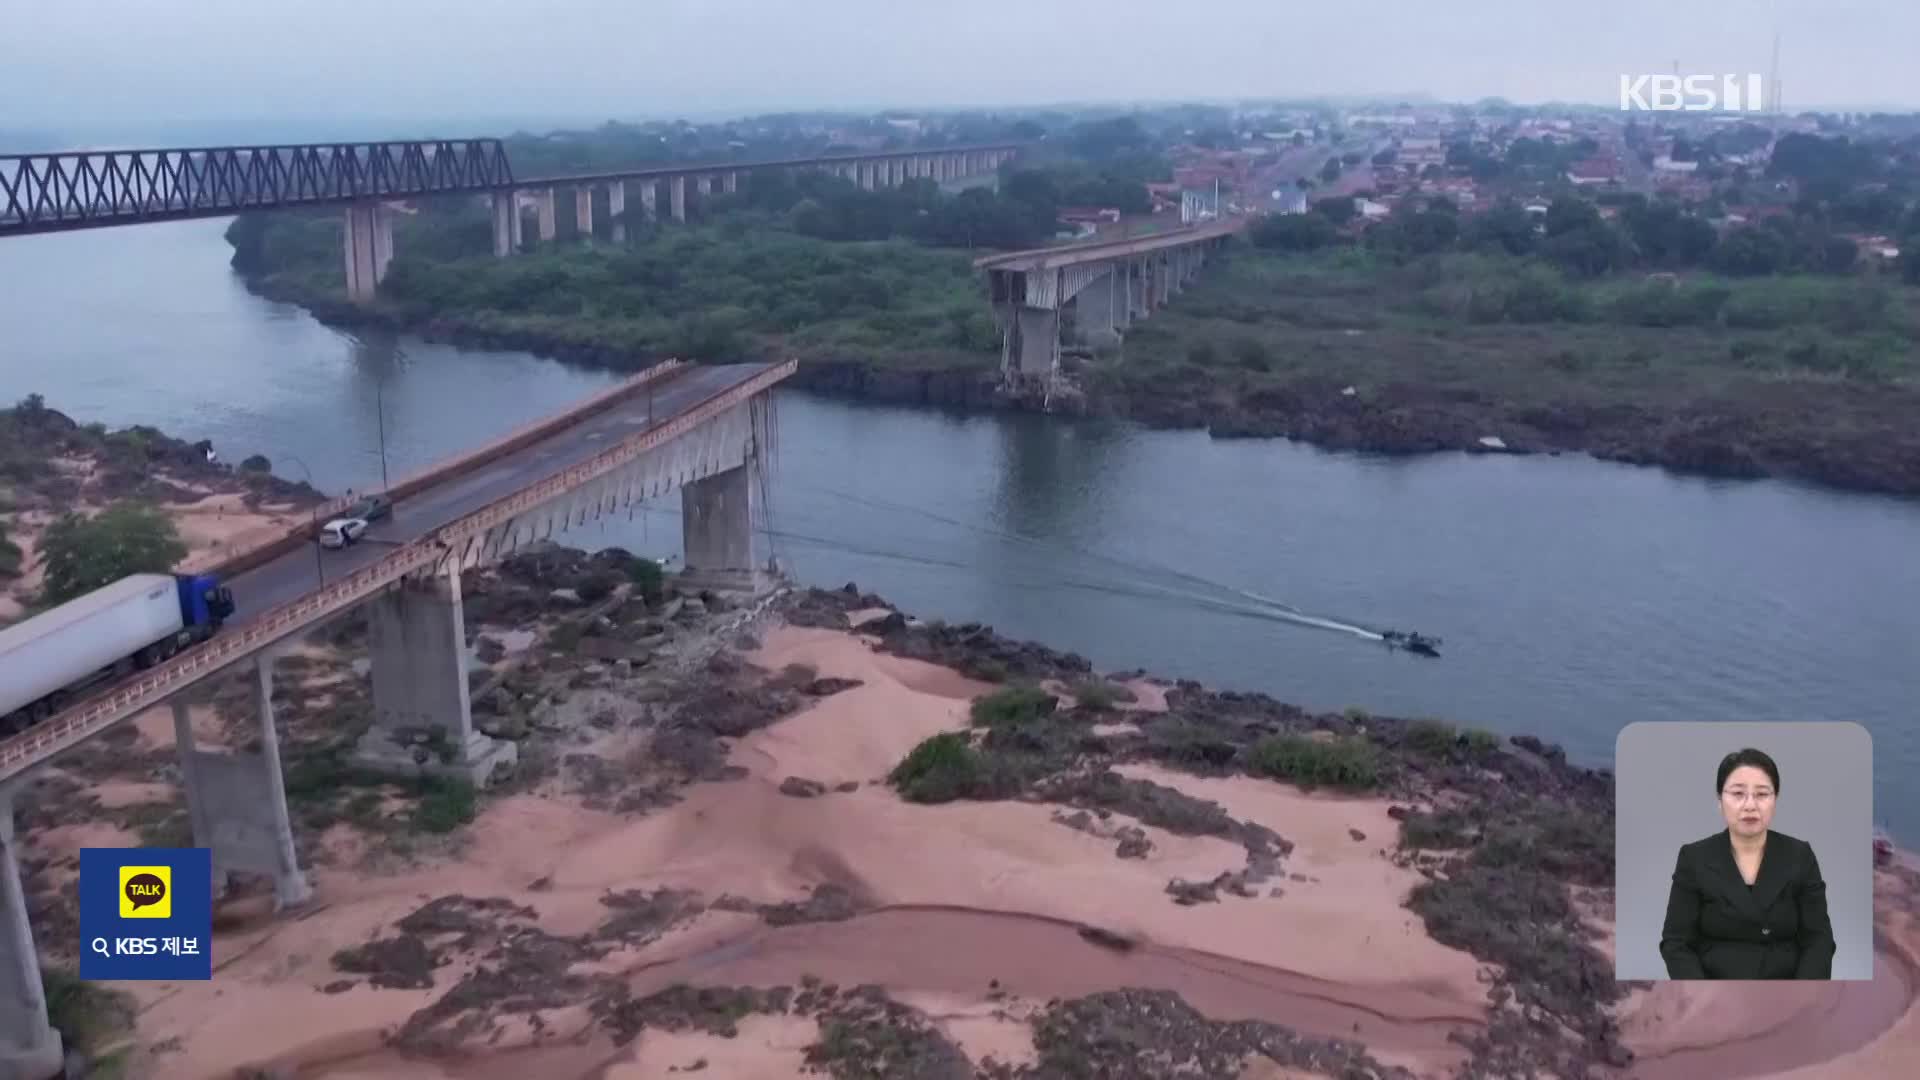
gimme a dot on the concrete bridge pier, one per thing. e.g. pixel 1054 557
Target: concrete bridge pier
pixel 238 801
pixel 583 211
pixel 677 198
pixel 422 716
pixel 1100 308
pixel 649 200
pixel 716 521
pixel 704 185
pixel 730 181
pixel 1034 341
pixel 549 219
pixel 506 223
pixel 368 244
pixel 30 1049
pixel 617 209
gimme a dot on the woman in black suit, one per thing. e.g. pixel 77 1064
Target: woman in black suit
pixel 1747 903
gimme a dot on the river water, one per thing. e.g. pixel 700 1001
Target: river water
pixel 1574 596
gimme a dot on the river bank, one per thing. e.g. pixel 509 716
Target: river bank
pixel 717 851
pixel 51 465
pixel 1377 387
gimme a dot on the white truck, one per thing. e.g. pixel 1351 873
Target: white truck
pixel 133 623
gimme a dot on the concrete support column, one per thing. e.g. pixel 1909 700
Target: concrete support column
pixel 368 245
pixel 649 199
pixel 1097 310
pixel 422 716
pixel 549 219
pixel 583 211
pixel 1162 281
pixel 677 197
pixel 730 181
pixel 199 808
pixel 29 1047
pixel 716 521
pixel 290 887
pixel 1037 331
pixel 704 185
pixel 506 223
pixel 1140 303
pixel 617 209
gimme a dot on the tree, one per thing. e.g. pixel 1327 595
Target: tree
pixel 85 553
pixel 1507 227
pixel 1666 236
pixel 1335 208
pixel 1750 251
pixel 1331 170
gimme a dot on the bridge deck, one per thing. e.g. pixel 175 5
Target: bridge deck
pixel 284 594
pixel 1101 250
pixel 295 573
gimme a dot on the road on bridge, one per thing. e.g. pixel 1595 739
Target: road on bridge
pixel 295 573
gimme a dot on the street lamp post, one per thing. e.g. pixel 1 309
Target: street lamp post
pixel 380 407
pixel 313 523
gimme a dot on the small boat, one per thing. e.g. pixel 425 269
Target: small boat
pixel 1419 644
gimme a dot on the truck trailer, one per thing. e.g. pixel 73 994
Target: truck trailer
pixel 136 622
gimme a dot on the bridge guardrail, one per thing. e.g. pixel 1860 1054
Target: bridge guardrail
pixel 147 689
pixel 259 546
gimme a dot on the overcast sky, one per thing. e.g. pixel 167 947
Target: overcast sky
pixel 89 69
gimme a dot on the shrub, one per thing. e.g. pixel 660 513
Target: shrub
pixel 1014 705
pixel 88 1015
pixel 444 805
pixel 257 463
pixel 1435 830
pixel 1251 354
pixel 1097 694
pixel 1482 743
pixel 1435 738
pixel 599 585
pixel 940 769
pixel 1343 763
pixel 649 578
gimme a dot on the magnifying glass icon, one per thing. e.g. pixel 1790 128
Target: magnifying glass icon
pixel 99 945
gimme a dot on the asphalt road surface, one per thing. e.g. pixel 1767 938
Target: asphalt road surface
pixel 292 575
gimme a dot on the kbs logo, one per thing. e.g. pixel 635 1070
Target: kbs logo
pixel 146 892
pixel 1694 93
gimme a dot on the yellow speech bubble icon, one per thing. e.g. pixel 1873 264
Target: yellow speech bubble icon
pixel 146 892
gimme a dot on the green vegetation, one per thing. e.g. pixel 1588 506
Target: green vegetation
pixel 83 553
pixel 649 578
pixel 1011 706
pixel 941 769
pixel 1098 694
pixel 444 805
pixel 91 1018
pixel 1351 763
pixel 11 557
pixel 1434 738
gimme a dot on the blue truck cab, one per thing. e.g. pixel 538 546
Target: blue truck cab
pixel 204 602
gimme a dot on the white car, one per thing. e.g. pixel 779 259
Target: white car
pixel 341 532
